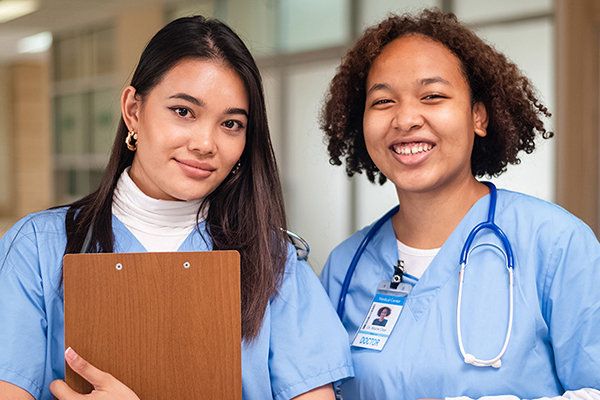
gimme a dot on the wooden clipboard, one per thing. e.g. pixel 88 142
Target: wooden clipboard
pixel 168 325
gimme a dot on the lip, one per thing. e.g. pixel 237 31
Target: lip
pixel 412 159
pixel 196 169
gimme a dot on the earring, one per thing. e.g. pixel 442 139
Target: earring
pixel 131 140
pixel 236 167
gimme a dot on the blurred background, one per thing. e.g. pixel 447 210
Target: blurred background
pixel 63 64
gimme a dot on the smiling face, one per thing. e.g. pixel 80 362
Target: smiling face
pixel 419 124
pixel 191 130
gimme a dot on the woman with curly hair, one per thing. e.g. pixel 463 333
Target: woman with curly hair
pixel 422 101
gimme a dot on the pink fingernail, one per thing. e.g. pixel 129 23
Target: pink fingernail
pixel 70 354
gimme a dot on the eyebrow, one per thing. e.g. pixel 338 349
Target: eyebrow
pixel 378 86
pixel 189 98
pixel 421 82
pixel 435 79
pixel 234 111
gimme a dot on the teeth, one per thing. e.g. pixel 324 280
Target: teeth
pixel 408 149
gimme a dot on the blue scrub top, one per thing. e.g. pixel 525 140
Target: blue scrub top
pixel 555 341
pixel 301 346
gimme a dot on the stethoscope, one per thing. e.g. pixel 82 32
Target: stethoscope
pixel 464 259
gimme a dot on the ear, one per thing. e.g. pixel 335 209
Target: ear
pixel 480 119
pixel 130 108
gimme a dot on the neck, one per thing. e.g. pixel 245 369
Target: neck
pixel 425 220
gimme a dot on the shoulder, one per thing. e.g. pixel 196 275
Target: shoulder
pixel 547 217
pixel 300 283
pixel 297 272
pixel 550 238
pixel 347 248
pixel 32 250
pixel 32 226
pixel 342 255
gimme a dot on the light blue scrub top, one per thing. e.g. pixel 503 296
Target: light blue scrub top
pixel 301 345
pixel 555 342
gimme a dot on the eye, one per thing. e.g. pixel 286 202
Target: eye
pixel 182 111
pixel 382 101
pixel 233 124
pixel 434 97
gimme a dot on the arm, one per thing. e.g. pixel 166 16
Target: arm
pixel 324 392
pixel 30 329
pixel 8 391
pixel 106 386
pixel 309 346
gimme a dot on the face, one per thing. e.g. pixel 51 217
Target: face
pixel 384 313
pixel 419 124
pixel 191 130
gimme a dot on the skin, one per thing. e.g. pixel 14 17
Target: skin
pixel 191 130
pixel 8 391
pixel 418 98
pixel 383 314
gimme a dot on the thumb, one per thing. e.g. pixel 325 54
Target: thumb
pixel 87 371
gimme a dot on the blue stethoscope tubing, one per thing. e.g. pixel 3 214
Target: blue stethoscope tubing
pixel 359 251
pixel 506 250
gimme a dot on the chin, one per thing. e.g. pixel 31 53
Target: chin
pixel 191 192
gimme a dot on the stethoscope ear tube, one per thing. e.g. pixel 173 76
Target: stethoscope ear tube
pixel 361 248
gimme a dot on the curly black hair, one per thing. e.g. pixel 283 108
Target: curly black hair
pixel 514 110
pixel 389 311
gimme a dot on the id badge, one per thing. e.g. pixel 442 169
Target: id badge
pixel 382 316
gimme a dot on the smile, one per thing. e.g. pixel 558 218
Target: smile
pixel 412 148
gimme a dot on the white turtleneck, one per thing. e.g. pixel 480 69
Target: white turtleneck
pixel 159 225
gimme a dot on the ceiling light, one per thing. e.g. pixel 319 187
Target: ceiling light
pixel 11 9
pixel 37 43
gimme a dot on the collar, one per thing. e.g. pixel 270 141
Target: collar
pixel 443 267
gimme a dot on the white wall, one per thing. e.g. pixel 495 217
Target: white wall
pixel 531 46
pixel 317 194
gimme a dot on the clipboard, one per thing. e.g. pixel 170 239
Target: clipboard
pixel 168 325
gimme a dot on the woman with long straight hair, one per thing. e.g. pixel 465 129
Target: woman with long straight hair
pixel 191 169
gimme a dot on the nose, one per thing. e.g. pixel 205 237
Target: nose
pixel 408 117
pixel 203 140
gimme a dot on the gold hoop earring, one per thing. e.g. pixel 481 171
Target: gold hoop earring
pixel 131 140
pixel 236 167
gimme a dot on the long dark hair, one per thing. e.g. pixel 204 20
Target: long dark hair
pixel 246 212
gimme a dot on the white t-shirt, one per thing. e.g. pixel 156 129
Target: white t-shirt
pixel 416 261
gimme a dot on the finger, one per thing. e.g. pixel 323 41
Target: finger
pixel 93 375
pixel 62 391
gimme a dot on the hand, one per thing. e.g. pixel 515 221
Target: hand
pixel 106 386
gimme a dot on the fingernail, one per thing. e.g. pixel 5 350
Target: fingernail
pixel 70 354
